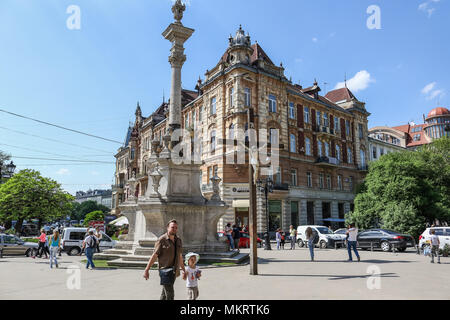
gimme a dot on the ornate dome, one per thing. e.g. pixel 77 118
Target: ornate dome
pixel 438 112
pixel 240 39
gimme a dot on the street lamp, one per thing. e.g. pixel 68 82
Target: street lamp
pixel 266 186
pixel 10 168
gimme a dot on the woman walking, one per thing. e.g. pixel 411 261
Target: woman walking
pixel 278 238
pixel 54 248
pixel 310 237
pixel 41 249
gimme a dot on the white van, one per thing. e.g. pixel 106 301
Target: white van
pixel 442 232
pixel 326 236
pixel 72 240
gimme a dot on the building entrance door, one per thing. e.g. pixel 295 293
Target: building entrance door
pixel 241 217
pixel 274 215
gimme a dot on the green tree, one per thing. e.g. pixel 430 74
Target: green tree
pixel 80 210
pixel 406 190
pixel 28 195
pixel 94 216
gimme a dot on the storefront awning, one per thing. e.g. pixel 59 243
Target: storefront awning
pixel 241 203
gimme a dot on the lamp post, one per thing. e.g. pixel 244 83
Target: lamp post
pixel 10 168
pixel 266 186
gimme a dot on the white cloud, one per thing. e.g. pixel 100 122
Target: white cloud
pixel 315 40
pixel 435 93
pixel 426 7
pixel 359 82
pixel 428 87
pixel 63 172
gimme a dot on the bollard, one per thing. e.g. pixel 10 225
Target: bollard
pixel 371 246
pixel 335 245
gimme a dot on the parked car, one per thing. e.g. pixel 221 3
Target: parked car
pixel 442 232
pixel 326 237
pixel 72 240
pixel 244 241
pixel 385 240
pixel 12 245
pixel 29 230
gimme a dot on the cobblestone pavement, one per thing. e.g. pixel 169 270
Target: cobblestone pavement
pixel 283 274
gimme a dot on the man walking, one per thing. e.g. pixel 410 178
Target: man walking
pixel 435 246
pixel 168 252
pixel 236 236
pixel 89 245
pixel 352 233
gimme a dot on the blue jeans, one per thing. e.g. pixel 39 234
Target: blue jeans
pixel 89 255
pixel 53 254
pixel 352 244
pixel 311 248
pixel 230 238
pixel 278 244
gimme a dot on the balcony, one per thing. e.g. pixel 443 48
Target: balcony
pixel 363 167
pixel 327 161
pixel 323 130
pixel 281 186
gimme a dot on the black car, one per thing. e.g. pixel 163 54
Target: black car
pixel 385 240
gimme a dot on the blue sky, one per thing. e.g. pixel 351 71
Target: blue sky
pixel 91 79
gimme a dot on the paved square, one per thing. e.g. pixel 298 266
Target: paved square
pixel 282 275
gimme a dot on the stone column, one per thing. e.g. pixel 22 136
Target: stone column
pixel 285 214
pixel 177 34
pixel 318 216
pixel 303 212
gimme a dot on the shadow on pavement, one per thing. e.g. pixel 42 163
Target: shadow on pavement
pixel 372 261
pixel 333 276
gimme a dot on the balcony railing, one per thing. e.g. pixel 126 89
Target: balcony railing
pixel 281 186
pixel 328 161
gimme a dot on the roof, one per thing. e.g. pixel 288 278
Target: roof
pixel 128 136
pixel 342 94
pixel 258 53
pixel 440 111
pixel 408 129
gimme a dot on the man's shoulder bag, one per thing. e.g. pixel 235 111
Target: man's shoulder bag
pixel 168 275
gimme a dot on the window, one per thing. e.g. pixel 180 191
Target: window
pixel 294 177
pixel 200 112
pixel 278 176
pixel 272 103
pixel 307 146
pixel 231 97
pixel 374 152
pixel 194 119
pixel 381 151
pixel 231 132
pixel 293 144
pixel 213 106
pixel 132 154
pixel 247 96
pixel 273 136
pixel 362 154
pixel 336 124
pixel 350 183
pixel 338 153
pixel 77 235
pixel 319 147
pixel 186 121
pixel 321 181
pixel 327 149
pixel 291 110
pixel 361 130
pixel 216 170
pixel 418 136
pixel 339 182
pixel 347 128
pixel 325 119
pixel 318 118
pixel 213 141
pixel 309 179
pixel 210 175
pixel 328 182
pixel 306 114
pixel 349 155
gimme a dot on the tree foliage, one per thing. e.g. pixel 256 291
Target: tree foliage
pixel 28 195
pixel 94 216
pixel 404 191
pixel 80 210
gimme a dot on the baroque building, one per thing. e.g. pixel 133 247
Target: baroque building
pixel 322 140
